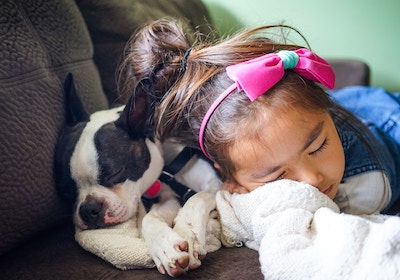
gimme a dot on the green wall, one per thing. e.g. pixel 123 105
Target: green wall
pixel 368 30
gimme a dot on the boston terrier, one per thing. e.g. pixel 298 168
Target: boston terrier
pixel 108 166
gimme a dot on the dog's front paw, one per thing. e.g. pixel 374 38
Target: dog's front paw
pixel 213 233
pixel 195 240
pixel 170 253
pixel 175 266
pixel 193 224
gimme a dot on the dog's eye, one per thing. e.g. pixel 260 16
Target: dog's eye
pixel 110 180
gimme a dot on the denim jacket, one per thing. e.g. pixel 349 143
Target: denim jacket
pixel 380 111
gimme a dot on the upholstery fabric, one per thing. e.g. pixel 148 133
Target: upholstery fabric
pixel 40 41
pixel 350 72
pixel 67 260
pixel 112 22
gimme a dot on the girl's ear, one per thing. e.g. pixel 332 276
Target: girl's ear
pixel 233 187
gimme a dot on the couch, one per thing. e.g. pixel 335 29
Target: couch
pixel 40 42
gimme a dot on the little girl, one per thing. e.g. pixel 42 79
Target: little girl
pixel 256 109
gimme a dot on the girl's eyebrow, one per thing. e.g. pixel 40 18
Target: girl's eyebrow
pixel 311 138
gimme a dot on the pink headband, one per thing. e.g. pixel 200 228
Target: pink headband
pixel 255 77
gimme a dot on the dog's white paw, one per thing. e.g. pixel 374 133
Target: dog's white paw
pixel 178 245
pixel 194 222
pixel 170 253
pixel 213 233
pixel 195 239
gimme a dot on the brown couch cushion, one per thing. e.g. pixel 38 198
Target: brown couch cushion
pixel 54 254
pixel 40 41
pixel 350 72
pixel 112 22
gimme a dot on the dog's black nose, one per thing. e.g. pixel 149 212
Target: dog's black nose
pixel 90 213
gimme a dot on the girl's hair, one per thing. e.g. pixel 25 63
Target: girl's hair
pixel 185 95
pixel 155 52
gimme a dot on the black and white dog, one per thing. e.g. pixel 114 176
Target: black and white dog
pixel 107 162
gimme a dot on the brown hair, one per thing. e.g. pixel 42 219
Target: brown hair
pixel 156 53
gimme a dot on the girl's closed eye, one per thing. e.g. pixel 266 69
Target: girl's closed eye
pixel 320 148
pixel 281 176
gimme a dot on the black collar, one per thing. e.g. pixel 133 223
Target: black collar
pixel 170 170
pixel 168 177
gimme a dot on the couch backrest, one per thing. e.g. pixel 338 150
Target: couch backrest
pixel 350 72
pixel 112 22
pixel 40 41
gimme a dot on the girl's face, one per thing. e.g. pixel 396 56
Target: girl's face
pixel 294 144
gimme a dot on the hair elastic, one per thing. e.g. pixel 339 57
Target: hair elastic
pixel 255 77
pixel 184 59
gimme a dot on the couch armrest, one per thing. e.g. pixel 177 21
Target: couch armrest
pixel 350 72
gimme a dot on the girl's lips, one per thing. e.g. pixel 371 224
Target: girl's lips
pixel 328 190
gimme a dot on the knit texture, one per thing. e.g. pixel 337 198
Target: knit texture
pixel 300 234
pixel 124 247
pixel 121 245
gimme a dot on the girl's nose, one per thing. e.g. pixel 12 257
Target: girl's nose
pixel 309 174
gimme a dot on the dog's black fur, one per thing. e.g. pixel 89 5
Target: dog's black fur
pixel 122 153
pixel 105 162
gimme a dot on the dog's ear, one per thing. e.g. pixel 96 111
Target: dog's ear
pixel 75 111
pixel 136 117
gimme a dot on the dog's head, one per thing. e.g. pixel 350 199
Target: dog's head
pixel 107 160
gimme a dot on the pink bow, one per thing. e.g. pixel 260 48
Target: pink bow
pixel 258 75
pixel 255 77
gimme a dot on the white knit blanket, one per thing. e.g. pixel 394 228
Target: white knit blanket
pixel 121 245
pixel 300 234
pixel 124 247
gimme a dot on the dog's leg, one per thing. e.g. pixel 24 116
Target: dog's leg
pixel 167 248
pixel 194 221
